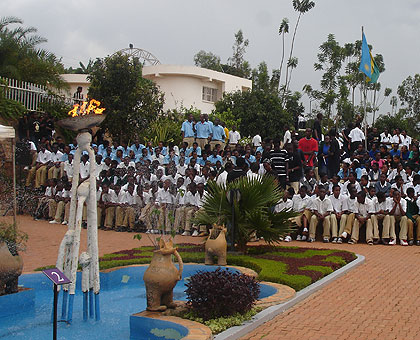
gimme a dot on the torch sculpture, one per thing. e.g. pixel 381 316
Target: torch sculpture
pixel 83 117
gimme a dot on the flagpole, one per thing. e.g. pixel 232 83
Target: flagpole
pixel 365 103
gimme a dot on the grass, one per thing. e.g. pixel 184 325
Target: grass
pixel 293 266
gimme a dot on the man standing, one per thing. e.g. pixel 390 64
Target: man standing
pixel 203 131
pixel 317 127
pixel 187 131
pixel 309 146
pixel 218 135
pixel 356 137
pixel 234 137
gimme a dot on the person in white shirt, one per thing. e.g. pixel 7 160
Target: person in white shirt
pixel 321 209
pixel 397 207
pixel 356 136
pixel 164 202
pixel 158 156
pixel 287 138
pixel 127 210
pixel 181 192
pixel 191 206
pixel 256 140
pixel 108 202
pixel 405 139
pixel 362 216
pixel 52 203
pixel 379 209
pixel 39 171
pixel 385 137
pixel 349 209
pixel 68 168
pixel 234 137
pixel 84 167
pixel 148 202
pixel 301 204
pixel 200 230
pixel 43 201
pixel 54 167
pixel 338 217
pixel 63 205
pixel 285 204
pixel 222 178
pixel 181 167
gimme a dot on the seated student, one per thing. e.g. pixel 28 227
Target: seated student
pixel 337 215
pixel 63 206
pixel 191 206
pixel 285 204
pixel 108 202
pixel 349 209
pixel 148 201
pixel 323 181
pixel 413 216
pixel 397 207
pixel 43 202
pixel 127 209
pixel 371 192
pixel 345 170
pixel 364 183
pixel 379 209
pixel 321 209
pixel 301 204
pixel 382 185
pixel 351 180
pixel 399 170
pixel 181 191
pixel 374 173
pixel 164 202
pixel 52 203
pixel 308 181
pixel 362 217
pixel 400 186
pixel 335 180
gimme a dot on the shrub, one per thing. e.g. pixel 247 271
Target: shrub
pixel 221 293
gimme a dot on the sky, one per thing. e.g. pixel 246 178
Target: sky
pixel 174 31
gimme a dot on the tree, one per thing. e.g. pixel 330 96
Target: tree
pixel 283 29
pixel 22 59
pixel 409 93
pixel 82 69
pixel 240 67
pixel 402 120
pixel 259 112
pixel 252 212
pixel 208 60
pixel 131 101
pixel 300 6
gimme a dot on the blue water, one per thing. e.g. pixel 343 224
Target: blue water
pixel 122 294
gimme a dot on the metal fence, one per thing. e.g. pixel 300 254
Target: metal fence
pixel 30 95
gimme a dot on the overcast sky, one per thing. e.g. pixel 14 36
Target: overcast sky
pixel 175 30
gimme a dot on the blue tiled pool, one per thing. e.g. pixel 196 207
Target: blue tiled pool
pixel 122 294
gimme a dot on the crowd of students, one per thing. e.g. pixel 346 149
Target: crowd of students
pixel 331 180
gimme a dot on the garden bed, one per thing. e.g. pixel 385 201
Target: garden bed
pixel 292 266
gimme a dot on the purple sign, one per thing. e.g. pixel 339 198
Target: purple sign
pixel 56 276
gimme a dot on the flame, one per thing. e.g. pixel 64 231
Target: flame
pixel 81 110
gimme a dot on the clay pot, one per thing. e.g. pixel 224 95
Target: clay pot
pixel 10 270
pixel 161 277
pixel 216 246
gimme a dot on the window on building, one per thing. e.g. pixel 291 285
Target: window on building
pixel 209 94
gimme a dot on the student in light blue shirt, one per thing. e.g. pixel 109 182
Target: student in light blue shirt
pixel 203 131
pixel 143 157
pixel 171 157
pixel 194 148
pixel 137 147
pixel 187 130
pixel 214 158
pixel 118 156
pixel 218 135
pixel 102 147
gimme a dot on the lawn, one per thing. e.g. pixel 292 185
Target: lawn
pixel 293 266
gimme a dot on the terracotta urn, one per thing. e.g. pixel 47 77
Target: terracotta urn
pixel 216 245
pixel 161 277
pixel 10 270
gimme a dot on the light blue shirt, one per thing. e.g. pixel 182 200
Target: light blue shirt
pixel 141 159
pixel 168 159
pixel 214 159
pixel 163 151
pixel 218 133
pixel 136 150
pixel 190 150
pixel 115 158
pixel 101 149
pixel 251 159
pixel 203 130
pixel 64 158
pixel 187 128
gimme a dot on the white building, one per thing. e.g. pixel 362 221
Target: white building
pixel 182 85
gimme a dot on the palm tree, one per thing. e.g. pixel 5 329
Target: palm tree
pixel 292 63
pixel 22 59
pixel 252 211
pixel 283 29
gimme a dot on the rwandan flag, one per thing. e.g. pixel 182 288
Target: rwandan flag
pixel 367 64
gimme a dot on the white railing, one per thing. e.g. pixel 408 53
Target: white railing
pixel 28 94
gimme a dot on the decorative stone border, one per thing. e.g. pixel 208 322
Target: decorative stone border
pixel 267 314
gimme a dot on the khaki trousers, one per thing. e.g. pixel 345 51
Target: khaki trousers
pixel 325 224
pixel 119 216
pixel 389 227
pixel 179 218
pixel 410 228
pixel 299 219
pixel 356 228
pixel 349 224
pixel 40 175
pixel 109 217
pixel 54 172
pixel 189 214
pixel 201 142
pixel 59 211
pixel 189 140
pixel 52 207
pixel 334 224
pixel 129 217
pixel 164 220
pixel 374 233
pixel 145 216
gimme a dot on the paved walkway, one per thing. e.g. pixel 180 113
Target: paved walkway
pixel 380 299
